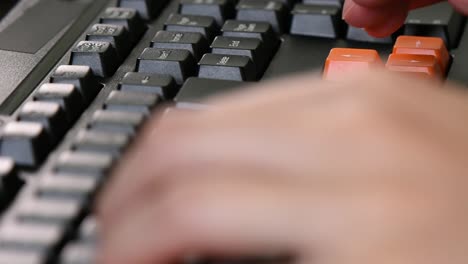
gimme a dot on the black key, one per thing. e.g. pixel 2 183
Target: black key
pixel 127 17
pixel 249 29
pixel 116 35
pixel 81 77
pixel 196 90
pixel 148 9
pixel 66 95
pixel 180 64
pixel 188 23
pixel 439 20
pixel 117 121
pixel 359 34
pixel 101 57
pixel 251 47
pixel 272 12
pixel 102 142
pixel 191 41
pixel 50 115
pixel 89 163
pixel 27 143
pixel 42 210
pixel 132 102
pixel 10 183
pixel 227 67
pixel 163 85
pixel 219 9
pixel 316 20
pixel 338 3
pixel 66 187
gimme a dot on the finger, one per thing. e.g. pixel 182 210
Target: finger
pixel 364 17
pixel 460 5
pixel 389 26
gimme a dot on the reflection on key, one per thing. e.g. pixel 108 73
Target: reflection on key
pixel 344 61
pixel 417 65
pixel 316 20
pixel 227 67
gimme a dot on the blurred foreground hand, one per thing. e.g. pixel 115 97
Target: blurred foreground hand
pixel 371 170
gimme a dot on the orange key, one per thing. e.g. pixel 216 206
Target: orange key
pixel 421 65
pixel 424 46
pixel 341 60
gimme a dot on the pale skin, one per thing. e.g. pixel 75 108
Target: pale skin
pixel 369 169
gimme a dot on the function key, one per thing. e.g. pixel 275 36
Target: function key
pixel 180 64
pixel 273 12
pixel 219 9
pixel 81 77
pixel 438 20
pixel 344 61
pixel 189 23
pixel 316 20
pixel 191 41
pixel 424 46
pixel 127 17
pixel 132 102
pixel 100 56
pixel 416 65
pixel 251 29
pixel 227 67
pixel 148 9
pixel 116 35
pixel 163 85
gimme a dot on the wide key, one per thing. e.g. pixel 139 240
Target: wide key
pixel 227 67
pixel 132 102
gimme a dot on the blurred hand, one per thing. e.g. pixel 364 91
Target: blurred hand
pixel 381 18
pixel 369 170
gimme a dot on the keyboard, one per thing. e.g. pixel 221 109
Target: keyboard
pixel 80 77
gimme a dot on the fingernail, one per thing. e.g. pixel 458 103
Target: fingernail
pixel 347 8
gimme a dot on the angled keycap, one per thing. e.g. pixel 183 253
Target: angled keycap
pixel 180 64
pixel 163 85
pixel 273 12
pixel 251 29
pixel 344 61
pixel 219 9
pixel 81 77
pixel 227 67
pixel 66 95
pixel 191 41
pixel 100 56
pixel 132 102
pixel 423 46
pixel 148 9
pixel 127 17
pixel 416 65
pixel 316 20
pixel 27 143
pixel 205 25
pixel 82 162
pixel 117 121
pixel 66 187
pixel 116 35
pixel 10 182
pixel 101 141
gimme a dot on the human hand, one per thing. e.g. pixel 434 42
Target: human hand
pixel 369 170
pixel 381 18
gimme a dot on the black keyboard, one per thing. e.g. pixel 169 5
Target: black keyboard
pixel 79 78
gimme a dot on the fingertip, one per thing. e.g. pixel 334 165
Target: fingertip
pixel 460 5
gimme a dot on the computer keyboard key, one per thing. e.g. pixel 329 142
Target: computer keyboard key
pixel 227 67
pixel 251 47
pixel 132 102
pixel 66 187
pixel 102 142
pixel 196 90
pixel 361 35
pixel 343 61
pixel 100 56
pixel 127 17
pixel 48 211
pixel 417 65
pixel 10 182
pixel 81 77
pixel 205 25
pixel 148 9
pixel 424 46
pixel 191 41
pixel 180 64
pixel 116 35
pixel 84 162
pixel 338 3
pixel 250 29
pixel 220 10
pixel 12 256
pixel 50 115
pixel 316 20
pixel 117 121
pixel 163 85
pixel 88 230
pixel 78 253
pixel 27 143
pixel 273 12
pixel 66 95
pixel 438 20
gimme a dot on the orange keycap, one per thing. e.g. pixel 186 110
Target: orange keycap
pixel 424 46
pixel 419 65
pixel 341 60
